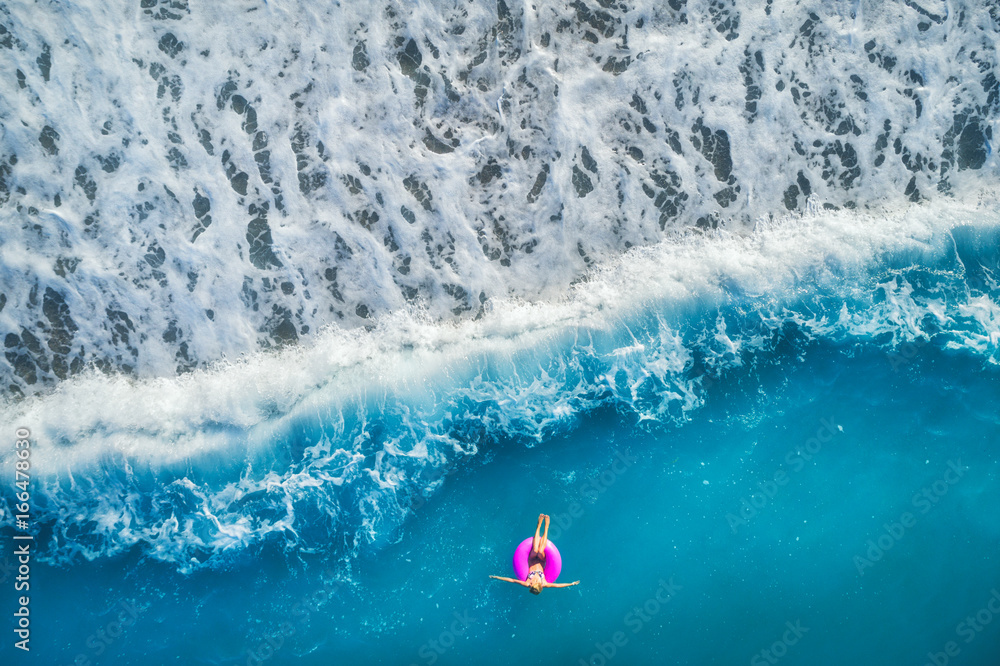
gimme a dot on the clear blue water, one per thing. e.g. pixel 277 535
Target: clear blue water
pixel 312 308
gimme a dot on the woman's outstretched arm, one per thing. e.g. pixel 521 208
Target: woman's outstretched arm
pixel 510 580
pixel 576 582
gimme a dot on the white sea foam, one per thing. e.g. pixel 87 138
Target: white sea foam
pixel 641 119
pixel 408 356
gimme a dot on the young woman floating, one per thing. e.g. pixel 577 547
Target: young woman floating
pixel 536 559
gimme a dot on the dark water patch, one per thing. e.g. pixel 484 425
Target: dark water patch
pixel 972 146
pixel 753 88
pixel 912 4
pixel 883 58
pixel 419 191
pixel 715 147
pixel 410 59
pixel 312 176
pixel 436 145
pixel 992 89
pixel 6 38
pixel 238 179
pixel 848 170
pixel 259 236
pixel 668 195
pixel 599 20
pixel 49 139
pixel 489 172
pixel 360 59
pixel 5 173
pixel 201 204
pixel 259 141
pixel 119 324
pixel 64 266
pixel 280 326
pixel 462 297
pixel 389 240
pixel 803 183
pixel 226 91
pixel 248 295
pixel 792 197
pixel 331 276
pixel 165 10
pixel 367 218
pixel 581 182
pixel 726 196
pixel 638 104
pixel 353 183
pixel 263 160
pixel 725 17
pixel 176 159
pixel 62 327
pixel 616 65
pixel 536 188
pixel 440 250
pixel 85 182
pixel 110 163
pixel 205 139
pixel 172 83
pixel 170 45
pixel 44 62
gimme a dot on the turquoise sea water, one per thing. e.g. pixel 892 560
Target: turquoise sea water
pixel 309 309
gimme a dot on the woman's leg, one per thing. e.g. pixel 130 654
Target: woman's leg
pixel 536 542
pixel 545 537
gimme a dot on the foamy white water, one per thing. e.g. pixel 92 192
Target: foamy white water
pixel 408 352
pixel 184 181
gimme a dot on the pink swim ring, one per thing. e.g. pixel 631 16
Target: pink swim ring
pixel 553 560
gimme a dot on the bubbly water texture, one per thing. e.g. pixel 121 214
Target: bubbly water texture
pixel 303 298
pixel 182 182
